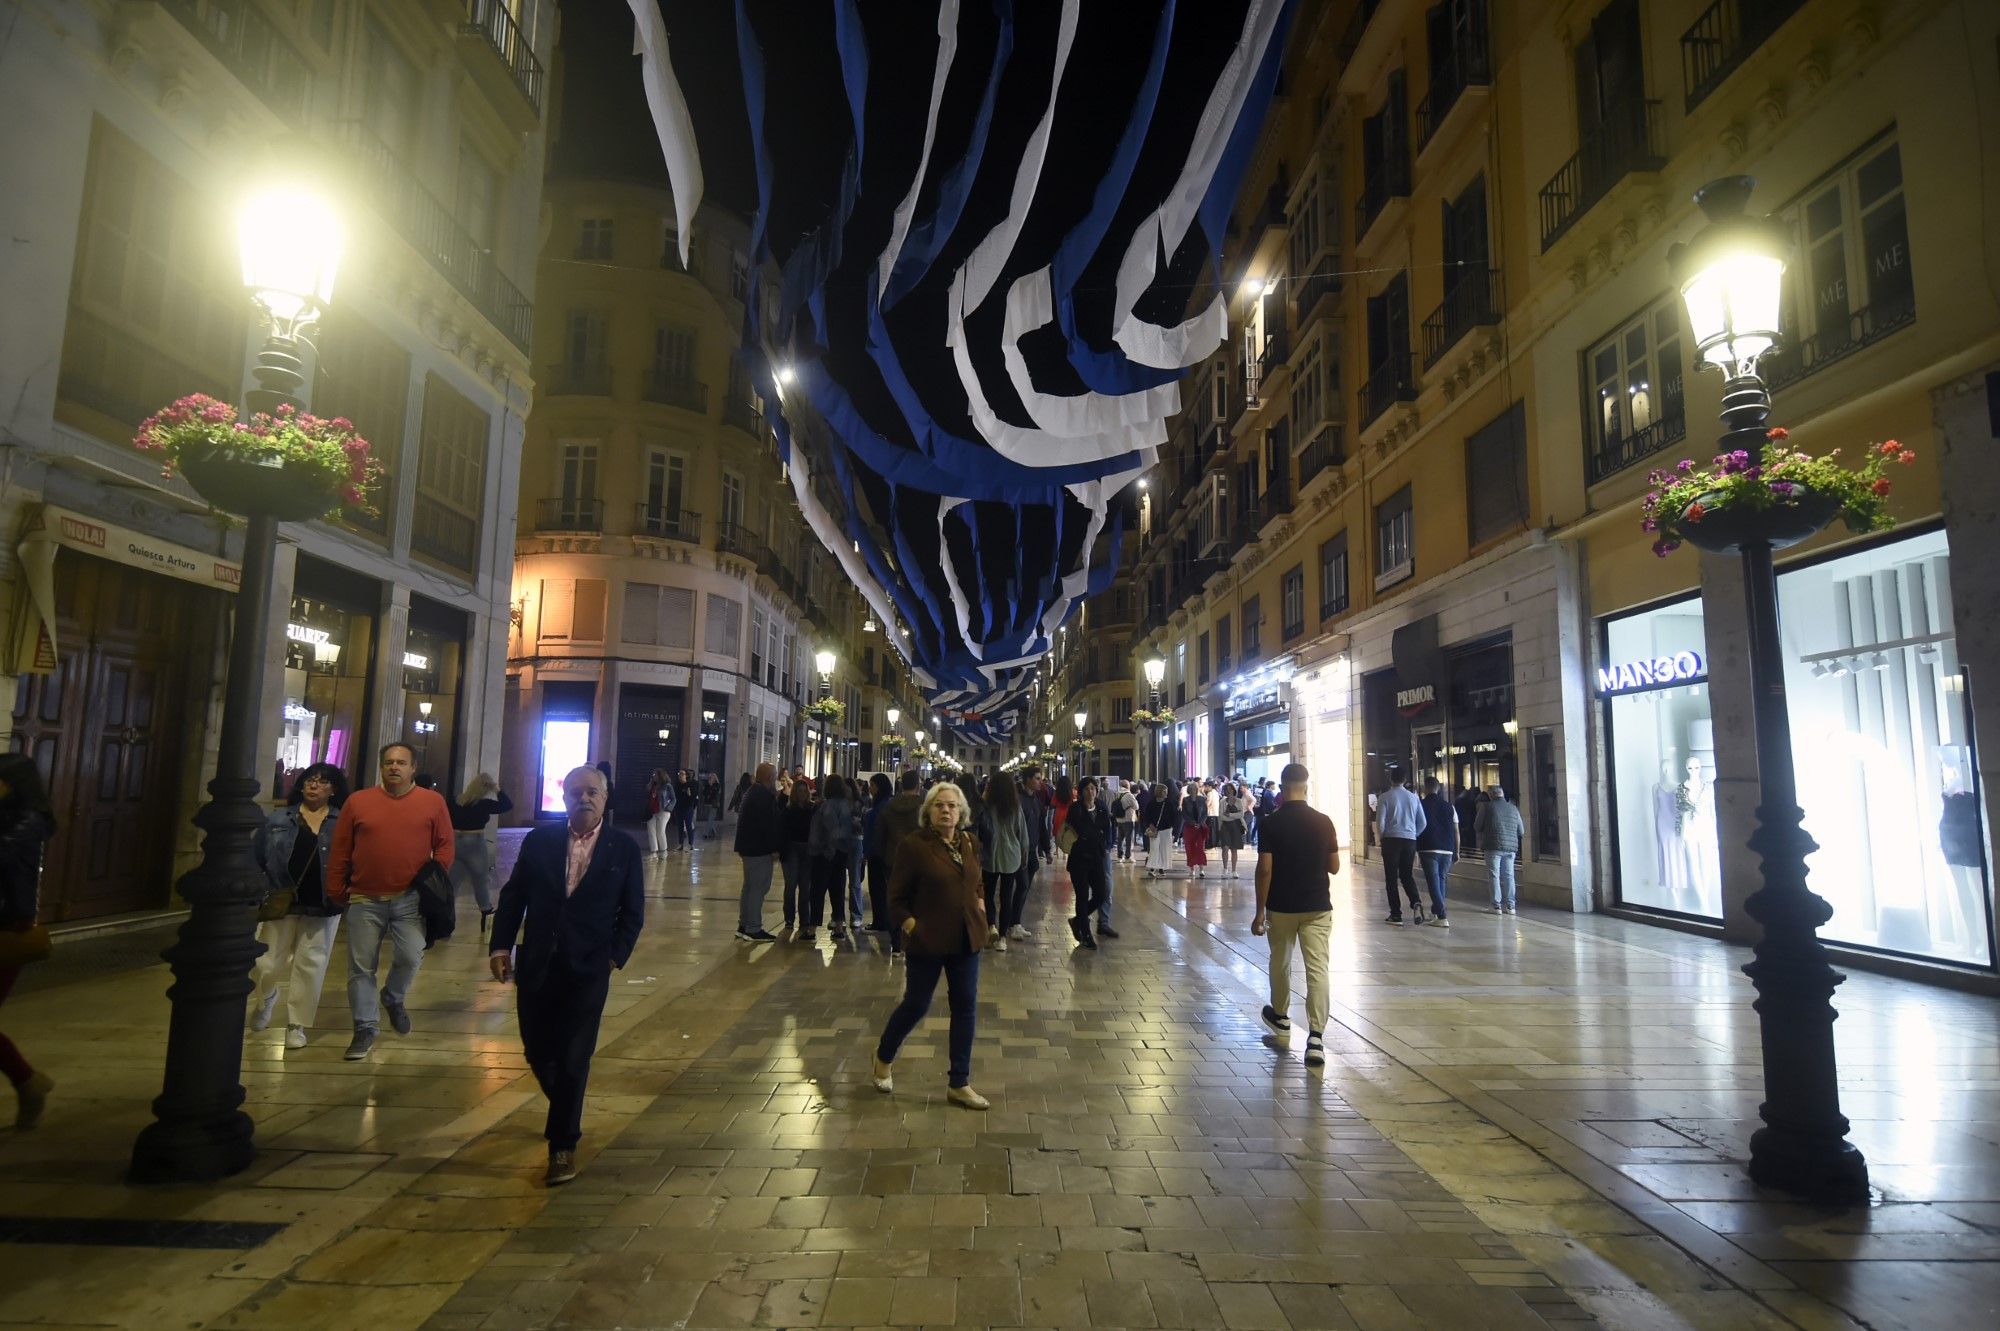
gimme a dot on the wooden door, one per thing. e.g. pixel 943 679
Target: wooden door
pixel 107 736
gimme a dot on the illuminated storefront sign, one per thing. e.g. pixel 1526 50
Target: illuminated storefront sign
pixel 416 661
pixel 1684 667
pixel 307 634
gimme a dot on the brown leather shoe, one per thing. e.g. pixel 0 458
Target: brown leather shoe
pixel 562 1168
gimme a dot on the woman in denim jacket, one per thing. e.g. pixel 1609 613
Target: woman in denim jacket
pixel 291 850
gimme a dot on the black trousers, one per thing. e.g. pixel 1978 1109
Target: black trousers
pixel 830 879
pixel 559 1012
pixel 1086 878
pixel 1399 864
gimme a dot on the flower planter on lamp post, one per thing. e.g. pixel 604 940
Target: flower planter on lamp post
pixel 1729 277
pixel 291 246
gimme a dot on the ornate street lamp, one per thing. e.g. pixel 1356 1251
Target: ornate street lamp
pixel 290 240
pixel 1730 277
pixel 1082 719
pixel 893 715
pixel 824 661
pixel 1156 674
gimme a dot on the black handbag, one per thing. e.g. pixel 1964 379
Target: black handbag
pixel 434 902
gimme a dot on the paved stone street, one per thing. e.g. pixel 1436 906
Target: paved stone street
pixel 1524 1122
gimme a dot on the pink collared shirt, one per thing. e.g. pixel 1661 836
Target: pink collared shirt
pixel 581 846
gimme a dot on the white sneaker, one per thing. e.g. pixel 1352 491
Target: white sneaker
pixel 295 1037
pixel 262 1016
pixel 1000 942
pixel 1019 933
pixel 992 936
pixel 884 1079
pixel 1315 1050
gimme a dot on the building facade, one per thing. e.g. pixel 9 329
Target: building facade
pixel 670 602
pixel 1398 524
pixel 149 119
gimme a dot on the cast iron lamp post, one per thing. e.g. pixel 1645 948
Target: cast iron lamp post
pixel 1156 674
pixel 1082 719
pixel 291 243
pixel 895 755
pixel 1729 276
pixel 825 661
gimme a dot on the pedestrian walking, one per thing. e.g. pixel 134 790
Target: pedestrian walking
pixel 1194 830
pixel 576 902
pixel 1161 819
pixel 687 798
pixel 711 805
pixel 935 895
pixel 1090 824
pixel 659 812
pixel 836 824
pixel 1006 843
pixel 1500 828
pixel 1399 821
pixel 26 824
pixel 760 836
pixel 742 789
pixel 477 805
pixel 1232 825
pixel 899 820
pixel 1125 820
pixel 292 850
pixel 386 835
pixel 876 864
pixel 1437 847
pixel 1298 853
pixel 795 823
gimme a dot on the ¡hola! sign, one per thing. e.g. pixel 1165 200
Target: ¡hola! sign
pixel 1652 672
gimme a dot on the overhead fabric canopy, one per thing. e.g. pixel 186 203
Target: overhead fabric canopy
pixel 985 232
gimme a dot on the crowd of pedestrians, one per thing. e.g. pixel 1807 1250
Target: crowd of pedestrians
pixel 943 871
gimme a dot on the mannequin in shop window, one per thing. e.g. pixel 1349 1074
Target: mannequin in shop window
pixel 1669 818
pixel 1695 802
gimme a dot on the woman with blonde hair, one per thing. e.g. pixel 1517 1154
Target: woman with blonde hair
pixel 937 901
pixel 472 853
pixel 659 812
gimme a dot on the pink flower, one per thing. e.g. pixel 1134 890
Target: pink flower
pixel 1881 486
pixel 1889 448
pixel 1906 457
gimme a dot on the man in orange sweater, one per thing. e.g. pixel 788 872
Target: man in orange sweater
pixel 385 834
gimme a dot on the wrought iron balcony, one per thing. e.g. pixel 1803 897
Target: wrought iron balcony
pixel 239 35
pixel 1725 35
pixel 1806 356
pixel 666 524
pixel 676 390
pixel 489 19
pixel 733 538
pixel 440 532
pixel 1315 288
pixel 1249 522
pixel 1626 140
pixel 1467 66
pixel 1387 180
pixel 568 513
pixel 1321 452
pixel 1471 299
pixel 1277 346
pixel 1608 457
pixel 571 379
pixel 1388 383
pixel 392 189
pixel 740 412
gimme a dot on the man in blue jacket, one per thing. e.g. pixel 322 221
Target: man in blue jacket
pixel 580 891
pixel 1437 847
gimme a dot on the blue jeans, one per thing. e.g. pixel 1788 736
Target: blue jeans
pixel 921 973
pixel 1500 868
pixel 1437 867
pixel 368 919
pixel 857 902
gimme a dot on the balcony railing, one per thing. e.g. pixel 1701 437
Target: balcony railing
pixel 393 190
pixel 1626 140
pixel 1277 346
pixel 1472 299
pixel 441 532
pixel 1388 180
pixel 741 413
pixel 108 368
pixel 1865 327
pixel 1465 67
pixel 1314 288
pixel 568 513
pixel 1247 398
pixel 490 19
pixel 733 538
pixel 676 390
pixel 1321 452
pixel 1724 37
pixel 239 35
pixel 1608 457
pixel 569 379
pixel 1249 522
pixel 1388 383
pixel 666 524
pixel 1276 499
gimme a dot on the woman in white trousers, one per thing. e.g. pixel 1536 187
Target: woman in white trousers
pixel 1160 817
pixel 291 849
pixel 659 812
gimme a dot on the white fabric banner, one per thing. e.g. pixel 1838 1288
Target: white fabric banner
pixel 670 117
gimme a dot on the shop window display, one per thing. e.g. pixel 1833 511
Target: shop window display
pixel 327 655
pixel 1661 749
pixel 1882 737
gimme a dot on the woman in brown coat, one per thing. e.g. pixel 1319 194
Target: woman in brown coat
pixel 937 901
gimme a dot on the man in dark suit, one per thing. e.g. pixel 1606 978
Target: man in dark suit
pixel 580 888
